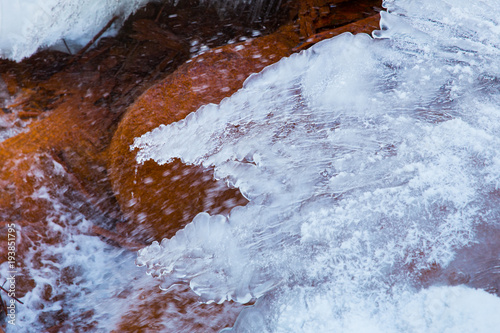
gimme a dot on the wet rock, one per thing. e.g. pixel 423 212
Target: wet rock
pixel 314 16
pixel 365 25
pixel 179 310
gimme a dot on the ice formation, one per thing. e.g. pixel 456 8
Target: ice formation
pixel 367 161
pixel 28 25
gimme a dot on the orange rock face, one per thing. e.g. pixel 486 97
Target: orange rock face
pixel 153 310
pixel 161 199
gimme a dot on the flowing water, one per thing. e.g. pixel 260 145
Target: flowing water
pixel 372 170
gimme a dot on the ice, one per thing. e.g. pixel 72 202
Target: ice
pixel 29 25
pixel 367 162
pixel 437 309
